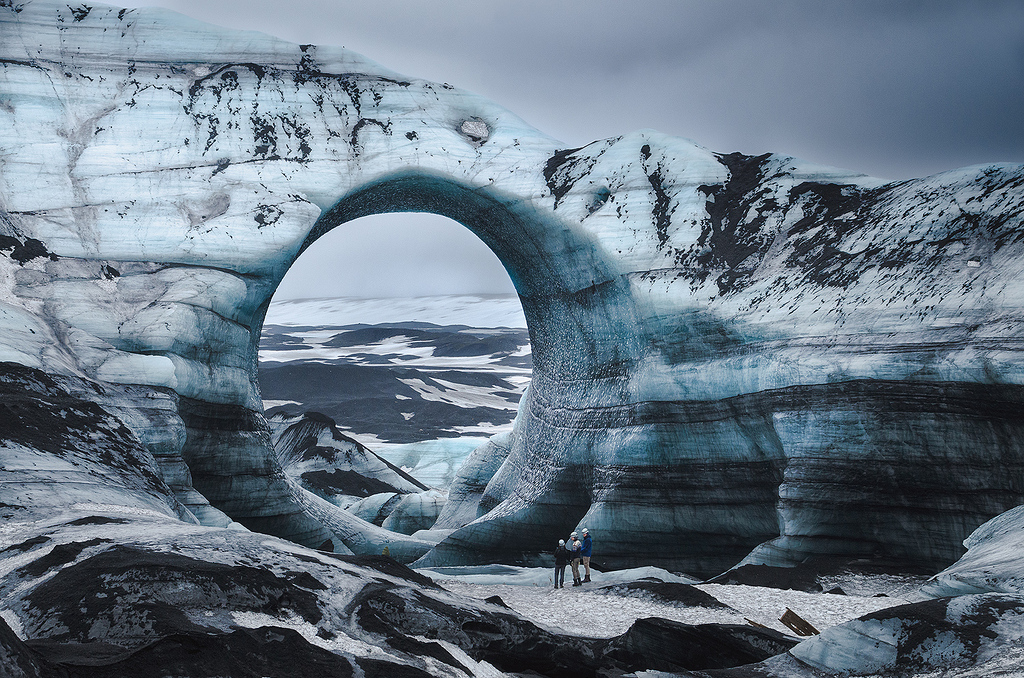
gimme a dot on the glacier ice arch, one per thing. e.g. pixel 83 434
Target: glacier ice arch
pixel 581 451
pixel 735 357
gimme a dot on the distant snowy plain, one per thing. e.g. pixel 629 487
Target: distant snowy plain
pixel 420 380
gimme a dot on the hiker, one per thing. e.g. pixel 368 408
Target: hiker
pixel 588 546
pixel 574 559
pixel 561 560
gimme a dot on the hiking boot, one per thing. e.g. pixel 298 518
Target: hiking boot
pixel 586 579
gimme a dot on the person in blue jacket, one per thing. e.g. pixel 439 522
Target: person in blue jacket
pixel 588 546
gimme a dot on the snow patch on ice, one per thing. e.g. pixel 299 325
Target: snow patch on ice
pixel 461 395
pixel 267 404
pixel 340 644
pixel 118 509
pixel 296 550
pixel 1006 665
pixel 480 669
pixel 823 610
pixel 13 621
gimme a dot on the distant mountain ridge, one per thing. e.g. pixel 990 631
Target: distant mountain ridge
pixel 469 310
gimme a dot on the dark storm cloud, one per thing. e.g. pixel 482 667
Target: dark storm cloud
pixel 893 89
pixel 896 89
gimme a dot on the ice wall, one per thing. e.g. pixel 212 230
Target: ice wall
pixel 732 353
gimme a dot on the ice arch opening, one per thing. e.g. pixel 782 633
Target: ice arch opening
pixel 412 353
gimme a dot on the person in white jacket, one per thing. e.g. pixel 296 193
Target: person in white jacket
pixel 576 546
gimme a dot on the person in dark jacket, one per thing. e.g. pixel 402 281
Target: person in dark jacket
pixel 561 560
pixel 588 547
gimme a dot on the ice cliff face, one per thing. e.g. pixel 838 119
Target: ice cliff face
pixel 732 355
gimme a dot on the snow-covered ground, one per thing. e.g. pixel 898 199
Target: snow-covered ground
pixel 598 612
pixel 592 611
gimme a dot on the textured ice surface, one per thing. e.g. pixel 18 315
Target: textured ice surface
pixel 994 561
pixel 433 462
pixel 415 512
pixel 957 632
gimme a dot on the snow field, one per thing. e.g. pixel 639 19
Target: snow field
pixel 594 613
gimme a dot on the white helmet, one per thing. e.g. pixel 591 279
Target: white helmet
pixel 586 531
pixel 561 542
pixel 573 535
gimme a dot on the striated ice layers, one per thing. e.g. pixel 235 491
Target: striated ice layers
pixel 734 356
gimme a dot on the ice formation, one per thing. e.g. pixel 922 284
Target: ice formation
pixel 734 356
pixel 992 564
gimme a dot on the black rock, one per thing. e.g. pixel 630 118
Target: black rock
pixel 671 592
pixel 794 578
pixel 137 596
pixel 496 600
pixel 18 660
pixel 266 651
pixel 667 645
pixel 504 640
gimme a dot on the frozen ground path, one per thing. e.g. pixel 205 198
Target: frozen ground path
pixel 601 613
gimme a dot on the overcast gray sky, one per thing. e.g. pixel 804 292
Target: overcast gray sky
pixel 892 88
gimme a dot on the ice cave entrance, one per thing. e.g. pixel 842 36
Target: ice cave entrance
pixel 405 329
